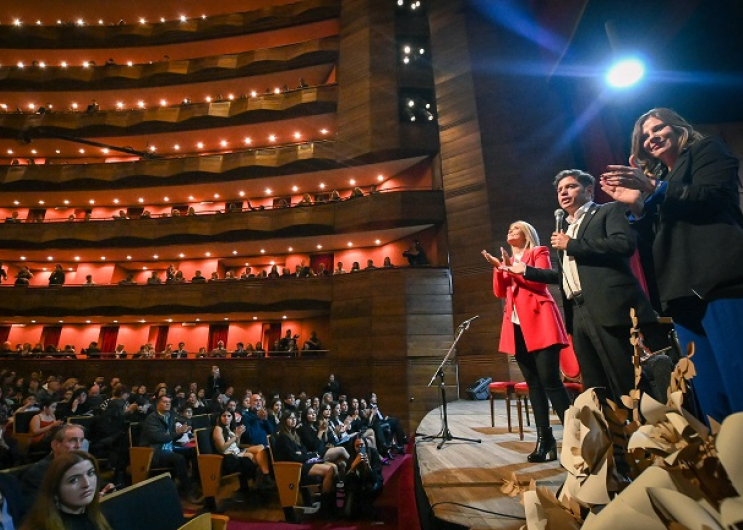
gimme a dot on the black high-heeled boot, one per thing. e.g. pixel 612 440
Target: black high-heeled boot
pixel 546 450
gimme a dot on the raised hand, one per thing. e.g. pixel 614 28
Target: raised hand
pixel 495 262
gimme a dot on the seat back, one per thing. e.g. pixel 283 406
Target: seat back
pixel 288 476
pixel 135 432
pixel 201 421
pixel 204 445
pixel 22 421
pixel 569 363
pixel 86 422
pixel 152 503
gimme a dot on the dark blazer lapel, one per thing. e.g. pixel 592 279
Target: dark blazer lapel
pixel 588 218
pixel 680 170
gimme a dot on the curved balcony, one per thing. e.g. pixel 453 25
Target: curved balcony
pixel 203 69
pixel 378 211
pixel 186 117
pixel 170 32
pixel 251 163
pixel 312 294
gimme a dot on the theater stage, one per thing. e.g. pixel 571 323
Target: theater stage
pixel 459 485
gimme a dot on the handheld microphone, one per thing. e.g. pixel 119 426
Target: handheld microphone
pixel 559 216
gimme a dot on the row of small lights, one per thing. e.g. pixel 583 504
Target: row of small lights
pixel 206 254
pixel 141 105
pixel 177 147
pixel 142 321
pixel 413 5
pixel 81 22
pixel 141 200
pixel 408 51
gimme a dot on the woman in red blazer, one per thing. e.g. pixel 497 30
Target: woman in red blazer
pixel 533 331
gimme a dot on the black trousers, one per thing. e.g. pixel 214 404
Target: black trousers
pixel 541 370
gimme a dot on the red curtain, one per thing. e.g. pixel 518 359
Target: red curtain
pixel 325 259
pixel 271 333
pixel 162 338
pixel 4 333
pixel 107 341
pixel 50 336
pixel 218 332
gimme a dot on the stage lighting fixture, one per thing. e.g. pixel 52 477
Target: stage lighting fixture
pixel 625 73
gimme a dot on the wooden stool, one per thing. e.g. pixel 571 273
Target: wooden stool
pixel 505 389
pixel 522 391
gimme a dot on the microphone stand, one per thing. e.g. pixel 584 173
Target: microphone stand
pixel 445 434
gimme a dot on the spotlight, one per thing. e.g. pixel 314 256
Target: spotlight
pixel 625 73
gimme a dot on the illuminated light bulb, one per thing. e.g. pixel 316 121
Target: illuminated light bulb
pixel 406 59
pixel 200 145
pixel 140 104
pixel 323 131
pixel 91 201
pixel 59 22
pixel 203 17
pixel 33 151
pixel 116 201
pixel 295 189
pixel 248 141
pixel 319 247
pixel 190 197
pixel 349 244
pixel 176 147
pixel 119 105
pixel 411 103
pixel 152 149
pixel 42 64
pixel 41 202
pixel 216 195
pixel 183 18
pixel 284 317
pixel 162 19
pixel 23 258
pixel 290 249
pixel 155 256
pixel 277 90
pixel 103 258
pixel 166 199
pixel 10 151
pixel 87 321
pixel 231 97
pixel 208 254
pixel 77 258
pixel 86 64
pixel 105 150
pixel 406 49
pixel 253 93
pixel 255 318
pixel 17 22
pixel 20 64
pixel 223 143
pixel 129 63
pixel 128 257
pixel 380 178
pixel 100 22
pixel 181 255
pixel 142 21
pixel 353 182
pixel 322 186
pixel 64 64
pixel 263 251
pixel 268 191
pixel 242 194
pixel 38 22
pixel 377 241
pixel 74 106
pixel 421 51
pixel 66 201
pixel 272 138
pixel 163 103
pixel 31 106
pixel 234 252
pixel 208 99
pixel 57 151
pixel 82 151
pixel 80 22
pixel 297 135
pixel 140 200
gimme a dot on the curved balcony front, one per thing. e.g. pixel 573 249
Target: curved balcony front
pixel 164 73
pixel 186 117
pixel 75 36
pixel 381 211
pixel 262 295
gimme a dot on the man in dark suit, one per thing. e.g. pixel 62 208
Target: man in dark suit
pixel 597 283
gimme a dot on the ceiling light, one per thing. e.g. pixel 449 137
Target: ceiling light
pixel 183 18
pixel 377 241
pixel 272 138
pixel 66 201
pixel 128 257
pixel 248 141
pixel 64 64
pixel 323 131
pixel 263 251
pixel 176 147
pixel 23 258
pixel 319 247
pixel 166 199
pixel 290 249
pixel 380 178
pixel 208 254
pixel 181 255
pixel 50 258
pixel 349 244
pixel 200 145
pixel 322 186
pixel 223 143
pixel 253 93
pixel 295 188
pixel 41 202
pixel 242 194
pixel 268 191
pixel 297 135
pixel 353 182
pixel 116 201
pixel 234 252
pixel 103 258
pixel 77 258
pixel 140 200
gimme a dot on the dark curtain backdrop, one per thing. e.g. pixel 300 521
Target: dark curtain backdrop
pixel 217 332
pixel 50 336
pixel 108 339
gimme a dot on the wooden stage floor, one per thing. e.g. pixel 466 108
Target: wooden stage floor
pixel 462 480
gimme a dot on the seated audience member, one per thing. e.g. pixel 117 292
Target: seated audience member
pixel 92 350
pixel 68 496
pixel 181 352
pixel 396 439
pixel 274 272
pixel 334 196
pixel 288 342
pixel 373 190
pixel 339 269
pixel 145 214
pixel 214 277
pixel 355 267
pixel 57 277
pixel 179 278
pixel 170 273
pixel 314 436
pixel 159 432
pixel 219 351
pixel 3 273
pixel 120 352
pixel 289 448
pixel 108 433
pixel 187 439
pixel 198 278
pixel 14 507
pixel 190 211
pixel 94 397
pixel 256 421
pixel 322 271
pixel 23 276
pixel 364 481
pixel 67 437
pixel 388 263
pixel 415 254
pixel 248 461
pixel 121 215
pixel 286 272
pixel 247 273
pixel 356 192
pixel 215 383
pixel 154 279
pixel 43 424
pixel 259 351
pixel 313 343
pixel 89 280
pixel 230 275
pixel 240 351
pixel 129 280
pixel 175 212
pixel 76 406
pixel 306 200
pixel 369 265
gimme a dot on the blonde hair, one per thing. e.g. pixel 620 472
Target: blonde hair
pixel 687 137
pixel 530 233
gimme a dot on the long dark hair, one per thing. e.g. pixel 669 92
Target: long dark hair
pixel 45 513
